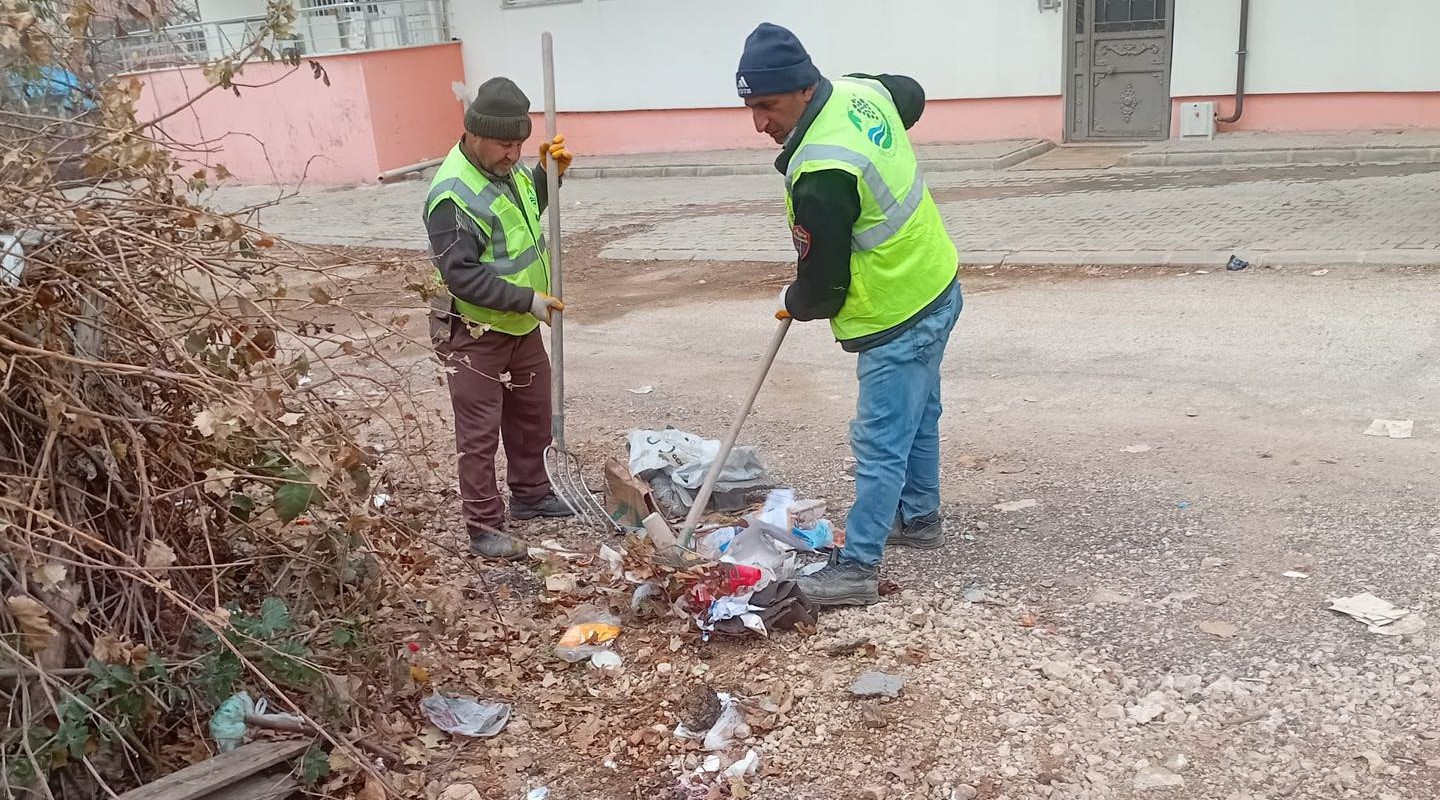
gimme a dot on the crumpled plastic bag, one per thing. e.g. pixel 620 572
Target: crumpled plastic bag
pixel 12 260
pixel 228 724
pixel 779 606
pixel 590 632
pixel 799 525
pixel 465 715
pixel 729 727
pixel 685 458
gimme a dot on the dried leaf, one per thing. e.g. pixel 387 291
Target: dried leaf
pixel 219 618
pixel 372 790
pixel 206 423
pixel 159 555
pixel 49 576
pixel 33 619
pixel 874 718
pixel 114 651
pixel 461 791
pixel 916 655
pixel 217 481
pixel 290 419
pixel 320 296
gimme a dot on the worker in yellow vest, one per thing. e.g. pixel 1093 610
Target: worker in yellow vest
pixel 483 219
pixel 873 257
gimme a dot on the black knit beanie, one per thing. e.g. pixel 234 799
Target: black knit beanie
pixel 500 111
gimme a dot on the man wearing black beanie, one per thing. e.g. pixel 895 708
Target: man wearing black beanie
pixel 873 257
pixel 483 219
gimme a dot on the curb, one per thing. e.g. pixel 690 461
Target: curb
pixel 1211 260
pixel 723 170
pixel 1184 259
pixel 1309 157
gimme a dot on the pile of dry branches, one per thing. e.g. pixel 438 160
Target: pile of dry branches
pixel 192 464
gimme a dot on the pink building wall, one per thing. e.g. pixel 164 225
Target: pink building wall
pixel 689 129
pixel 979 119
pixel 383 109
pixel 1324 111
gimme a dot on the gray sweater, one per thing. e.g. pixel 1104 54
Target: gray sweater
pixel 456 247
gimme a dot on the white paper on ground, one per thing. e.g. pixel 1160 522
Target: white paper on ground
pixel 1380 616
pixel 1393 428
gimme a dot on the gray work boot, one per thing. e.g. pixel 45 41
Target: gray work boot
pixel 496 545
pixel 842 583
pixel 547 506
pixel 925 533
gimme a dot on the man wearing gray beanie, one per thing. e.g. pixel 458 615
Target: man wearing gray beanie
pixel 873 257
pixel 483 218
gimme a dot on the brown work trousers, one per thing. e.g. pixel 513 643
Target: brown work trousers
pixel 500 390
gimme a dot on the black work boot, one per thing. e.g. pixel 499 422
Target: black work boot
pixel 925 533
pixel 547 506
pixel 842 583
pixel 496 545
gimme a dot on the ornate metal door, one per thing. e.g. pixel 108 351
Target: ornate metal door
pixel 1118 69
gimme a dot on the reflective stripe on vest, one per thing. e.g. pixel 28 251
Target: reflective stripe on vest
pixel 480 205
pixel 901 257
pixel 896 212
pixel 507 223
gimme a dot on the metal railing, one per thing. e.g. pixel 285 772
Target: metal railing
pixel 327 26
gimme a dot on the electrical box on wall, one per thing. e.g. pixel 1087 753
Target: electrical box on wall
pixel 1197 120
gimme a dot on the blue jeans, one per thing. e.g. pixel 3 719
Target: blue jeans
pixel 896 432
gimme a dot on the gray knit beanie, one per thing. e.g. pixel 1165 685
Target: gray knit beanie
pixel 500 111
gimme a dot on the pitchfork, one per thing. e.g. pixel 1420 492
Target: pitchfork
pixel 563 468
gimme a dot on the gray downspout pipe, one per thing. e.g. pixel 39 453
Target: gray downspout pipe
pixel 1240 65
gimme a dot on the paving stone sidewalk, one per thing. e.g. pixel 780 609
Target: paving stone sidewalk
pixel 1263 149
pixel 1282 215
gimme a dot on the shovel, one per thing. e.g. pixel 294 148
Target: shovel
pixel 563 468
pixel 686 535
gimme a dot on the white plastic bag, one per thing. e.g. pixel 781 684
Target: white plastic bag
pixel 465 715
pixel 685 458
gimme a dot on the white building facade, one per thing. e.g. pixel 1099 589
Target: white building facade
pixel 656 75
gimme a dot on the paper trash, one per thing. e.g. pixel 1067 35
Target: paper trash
pixel 1380 616
pixel 627 498
pixel 1393 428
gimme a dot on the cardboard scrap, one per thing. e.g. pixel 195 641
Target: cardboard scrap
pixel 627 498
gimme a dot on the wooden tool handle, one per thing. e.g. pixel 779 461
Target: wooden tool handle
pixel 552 185
pixel 702 498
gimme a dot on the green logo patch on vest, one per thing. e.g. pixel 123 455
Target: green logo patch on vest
pixel 868 120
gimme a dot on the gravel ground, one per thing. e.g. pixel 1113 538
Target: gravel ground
pixel 1187 440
